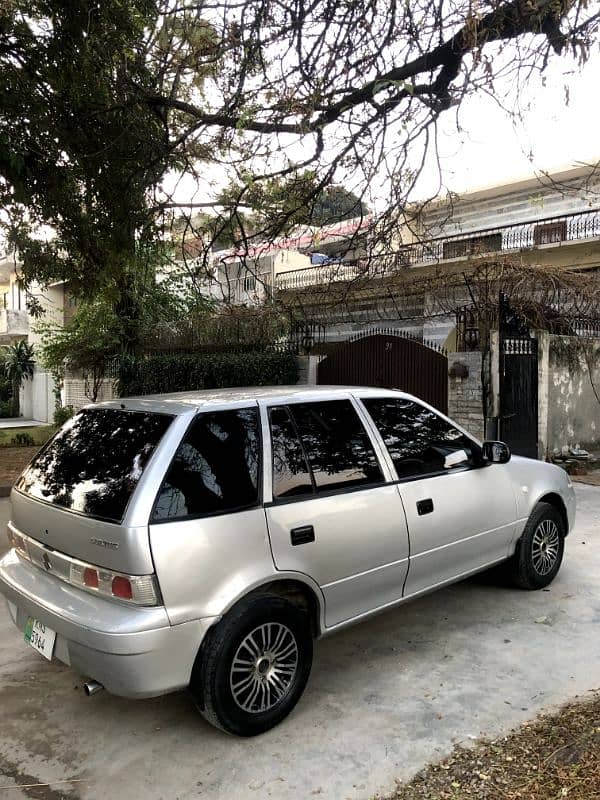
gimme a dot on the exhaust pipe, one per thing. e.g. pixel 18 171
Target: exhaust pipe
pixel 92 687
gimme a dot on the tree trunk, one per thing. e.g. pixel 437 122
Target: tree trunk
pixel 15 398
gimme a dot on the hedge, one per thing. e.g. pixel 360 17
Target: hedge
pixel 158 374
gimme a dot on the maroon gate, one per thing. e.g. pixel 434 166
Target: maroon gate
pixel 390 359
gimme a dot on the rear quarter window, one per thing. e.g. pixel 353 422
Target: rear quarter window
pixel 93 464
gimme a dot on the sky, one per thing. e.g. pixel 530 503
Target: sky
pixel 553 134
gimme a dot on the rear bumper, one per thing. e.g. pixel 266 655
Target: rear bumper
pixel 132 651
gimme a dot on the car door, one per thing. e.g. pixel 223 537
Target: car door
pixel 334 513
pixel 207 524
pixel 460 518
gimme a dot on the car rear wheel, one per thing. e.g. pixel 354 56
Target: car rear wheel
pixel 254 666
pixel 539 552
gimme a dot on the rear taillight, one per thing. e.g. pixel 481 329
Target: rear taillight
pixel 17 541
pixel 121 587
pixel 139 589
pixel 90 577
pixel 142 590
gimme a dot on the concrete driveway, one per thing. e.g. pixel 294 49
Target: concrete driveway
pixel 384 698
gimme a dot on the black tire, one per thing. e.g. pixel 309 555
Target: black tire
pixel 213 678
pixel 526 569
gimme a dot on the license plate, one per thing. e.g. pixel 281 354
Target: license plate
pixel 40 637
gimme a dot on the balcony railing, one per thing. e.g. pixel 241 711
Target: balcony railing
pixel 551 231
pixel 14 323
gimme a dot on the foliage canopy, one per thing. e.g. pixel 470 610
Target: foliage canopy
pixel 112 111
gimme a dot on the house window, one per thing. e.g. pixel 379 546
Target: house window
pixel 550 232
pixel 472 246
pixel 249 283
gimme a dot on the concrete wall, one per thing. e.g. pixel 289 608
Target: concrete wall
pixel 36 398
pixel 74 392
pixel 569 411
pixel 307 369
pixel 465 394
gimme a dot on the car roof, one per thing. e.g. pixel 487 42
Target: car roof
pixel 182 402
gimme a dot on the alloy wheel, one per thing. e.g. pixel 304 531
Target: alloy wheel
pixel 264 667
pixel 545 546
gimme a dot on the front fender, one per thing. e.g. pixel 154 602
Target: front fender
pixel 535 480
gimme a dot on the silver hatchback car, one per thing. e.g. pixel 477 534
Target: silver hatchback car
pixel 204 539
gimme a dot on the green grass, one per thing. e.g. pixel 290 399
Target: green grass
pixel 39 433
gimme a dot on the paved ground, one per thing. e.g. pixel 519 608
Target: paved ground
pixel 384 698
pixel 13 461
pixel 19 422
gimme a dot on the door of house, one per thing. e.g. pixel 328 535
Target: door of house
pixel 519 394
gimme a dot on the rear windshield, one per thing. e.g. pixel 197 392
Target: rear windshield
pixel 95 461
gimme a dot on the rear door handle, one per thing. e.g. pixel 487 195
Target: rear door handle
pixel 425 506
pixel 302 535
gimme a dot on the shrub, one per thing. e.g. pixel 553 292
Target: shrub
pixel 62 414
pixel 5 388
pixel 23 440
pixel 177 373
pixel 6 408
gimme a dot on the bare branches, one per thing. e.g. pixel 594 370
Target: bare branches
pixel 122 122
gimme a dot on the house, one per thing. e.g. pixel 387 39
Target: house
pixel 249 276
pixel 38 397
pixel 544 221
pixel 14 319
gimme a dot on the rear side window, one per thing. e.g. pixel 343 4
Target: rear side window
pixel 215 468
pixel 335 444
pixel 95 461
pixel 291 475
pixel 418 440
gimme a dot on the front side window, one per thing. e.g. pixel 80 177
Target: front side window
pixel 418 440
pixel 95 461
pixel 215 469
pixel 338 449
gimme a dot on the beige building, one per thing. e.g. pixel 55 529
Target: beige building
pixel 551 220
pixel 37 400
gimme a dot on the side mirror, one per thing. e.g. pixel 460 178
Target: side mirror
pixel 496 452
pixel 456 458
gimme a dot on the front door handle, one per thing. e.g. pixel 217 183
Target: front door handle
pixel 425 506
pixel 302 535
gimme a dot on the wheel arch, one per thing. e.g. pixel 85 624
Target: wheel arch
pixel 290 587
pixel 555 500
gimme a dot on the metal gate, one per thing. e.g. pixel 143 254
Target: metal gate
pixel 518 384
pixel 389 359
pixel 519 395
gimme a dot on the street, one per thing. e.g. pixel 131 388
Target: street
pixel 384 698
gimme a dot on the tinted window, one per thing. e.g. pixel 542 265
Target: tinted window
pixel 215 468
pixel 336 444
pixel 94 462
pixel 291 475
pixel 418 440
